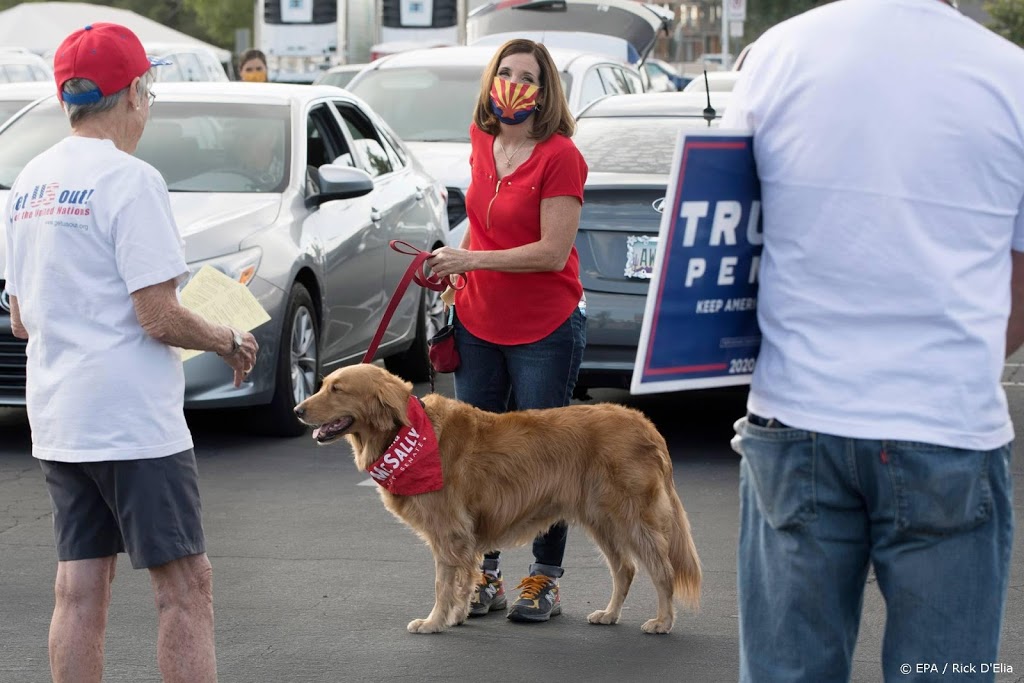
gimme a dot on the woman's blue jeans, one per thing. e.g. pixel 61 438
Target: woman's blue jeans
pixel 541 374
pixel 816 511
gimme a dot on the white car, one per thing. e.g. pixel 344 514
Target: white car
pixel 16 96
pixel 19 66
pixel 718 81
pixel 294 191
pixel 187 63
pixel 428 96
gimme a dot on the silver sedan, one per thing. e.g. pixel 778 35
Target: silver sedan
pixel 295 191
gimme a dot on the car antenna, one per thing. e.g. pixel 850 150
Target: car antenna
pixel 709 111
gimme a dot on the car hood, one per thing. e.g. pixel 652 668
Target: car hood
pixel 446 161
pixel 212 224
pixel 636 23
pixel 215 223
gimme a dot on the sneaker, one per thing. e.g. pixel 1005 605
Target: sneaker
pixel 538 600
pixel 488 596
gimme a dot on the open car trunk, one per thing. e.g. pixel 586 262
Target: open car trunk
pixel 564 23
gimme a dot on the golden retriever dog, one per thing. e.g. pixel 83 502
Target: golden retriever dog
pixel 509 477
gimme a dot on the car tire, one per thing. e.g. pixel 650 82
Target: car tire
pixel 413 364
pixel 298 367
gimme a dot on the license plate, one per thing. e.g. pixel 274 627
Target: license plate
pixel 640 251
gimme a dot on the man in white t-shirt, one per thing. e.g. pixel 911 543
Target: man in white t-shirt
pixel 889 140
pixel 93 262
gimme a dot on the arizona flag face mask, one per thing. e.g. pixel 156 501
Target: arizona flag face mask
pixel 512 102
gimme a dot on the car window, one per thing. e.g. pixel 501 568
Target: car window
pixel 18 73
pixel 423 104
pixel 633 81
pixel 212 68
pixel 168 73
pixel 591 88
pixel 396 161
pixel 39 74
pixel 188 63
pixel 632 144
pixel 338 78
pixel 395 146
pixel 366 139
pixel 325 144
pixel 614 80
pixel 322 125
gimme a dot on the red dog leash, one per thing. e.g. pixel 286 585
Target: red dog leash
pixel 416 272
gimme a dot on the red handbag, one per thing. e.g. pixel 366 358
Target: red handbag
pixel 441 349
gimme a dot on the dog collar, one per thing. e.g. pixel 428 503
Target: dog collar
pixel 411 465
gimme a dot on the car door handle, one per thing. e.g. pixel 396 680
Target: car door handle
pixel 419 192
pixel 375 215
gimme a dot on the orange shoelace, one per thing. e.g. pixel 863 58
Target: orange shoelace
pixel 533 586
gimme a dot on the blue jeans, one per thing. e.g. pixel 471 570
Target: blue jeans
pixel 541 374
pixel 936 523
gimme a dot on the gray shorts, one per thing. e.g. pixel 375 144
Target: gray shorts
pixel 149 507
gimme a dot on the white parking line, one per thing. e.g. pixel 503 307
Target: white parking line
pixel 367 482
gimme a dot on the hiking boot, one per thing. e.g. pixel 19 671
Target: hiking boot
pixel 488 596
pixel 538 600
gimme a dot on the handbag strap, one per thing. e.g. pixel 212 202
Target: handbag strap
pixel 416 272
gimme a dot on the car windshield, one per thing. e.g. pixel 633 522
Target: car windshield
pixel 644 145
pixel 423 104
pixel 338 79
pixel 197 147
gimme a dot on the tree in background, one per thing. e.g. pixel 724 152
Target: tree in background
pixel 1007 19
pixel 212 21
pixel 763 14
pixel 221 18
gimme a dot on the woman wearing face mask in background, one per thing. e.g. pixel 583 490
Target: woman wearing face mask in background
pixel 252 66
pixel 520 327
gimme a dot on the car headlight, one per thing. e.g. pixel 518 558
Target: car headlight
pixel 240 266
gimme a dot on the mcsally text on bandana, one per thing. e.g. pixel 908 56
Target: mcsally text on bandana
pixel 412 463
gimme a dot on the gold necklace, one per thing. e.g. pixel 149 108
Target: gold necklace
pixel 508 159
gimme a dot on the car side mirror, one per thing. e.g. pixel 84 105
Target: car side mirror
pixel 341 182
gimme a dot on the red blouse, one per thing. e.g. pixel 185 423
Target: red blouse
pixel 518 308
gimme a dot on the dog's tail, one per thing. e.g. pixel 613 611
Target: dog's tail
pixel 683 553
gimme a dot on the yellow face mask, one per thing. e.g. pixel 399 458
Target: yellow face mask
pixel 255 76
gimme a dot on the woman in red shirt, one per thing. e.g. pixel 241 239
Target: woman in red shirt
pixel 520 327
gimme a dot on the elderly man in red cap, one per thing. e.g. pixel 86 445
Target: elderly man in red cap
pixel 93 263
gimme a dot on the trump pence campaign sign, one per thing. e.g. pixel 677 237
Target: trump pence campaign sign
pixel 700 322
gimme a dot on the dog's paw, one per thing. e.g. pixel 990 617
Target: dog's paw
pixel 602 616
pixel 657 626
pixel 424 626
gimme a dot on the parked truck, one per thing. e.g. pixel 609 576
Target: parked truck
pixel 302 38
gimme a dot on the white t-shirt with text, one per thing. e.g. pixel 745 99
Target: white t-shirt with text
pixel 87 225
pixel 889 140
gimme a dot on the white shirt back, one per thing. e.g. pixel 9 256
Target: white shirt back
pixel 889 139
pixel 87 225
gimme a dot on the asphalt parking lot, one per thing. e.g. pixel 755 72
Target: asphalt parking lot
pixel 315 581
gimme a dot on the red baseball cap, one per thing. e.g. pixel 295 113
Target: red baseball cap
pixel 109 55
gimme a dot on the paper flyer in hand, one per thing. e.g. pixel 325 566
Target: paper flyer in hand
pixel 220 299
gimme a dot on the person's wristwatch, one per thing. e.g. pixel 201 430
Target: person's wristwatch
pixel 236 343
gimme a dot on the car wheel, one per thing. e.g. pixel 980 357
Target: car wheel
pixel 413 365
pixel 298 366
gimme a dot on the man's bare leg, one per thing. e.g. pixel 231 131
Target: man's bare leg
pixel 184 601
pixel 79 624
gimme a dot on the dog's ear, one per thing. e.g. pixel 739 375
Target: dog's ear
pixel 392 404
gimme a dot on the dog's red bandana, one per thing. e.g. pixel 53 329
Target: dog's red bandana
pixel 412 463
